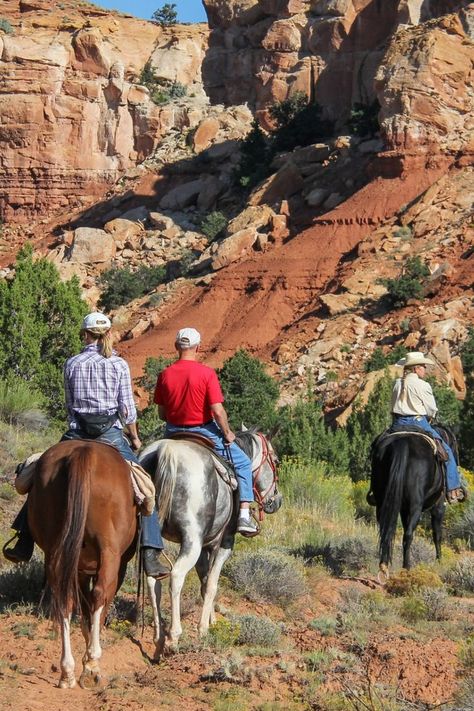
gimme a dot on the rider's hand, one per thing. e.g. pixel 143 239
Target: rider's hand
pixel 136 442
pixel 229 437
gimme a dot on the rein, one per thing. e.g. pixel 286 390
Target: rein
pixel 265 458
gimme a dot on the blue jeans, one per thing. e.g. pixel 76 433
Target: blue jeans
pixel 151 533
pixel 242 464
pixel 452 472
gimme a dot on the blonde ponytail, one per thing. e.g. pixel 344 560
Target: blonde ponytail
pixel 106 344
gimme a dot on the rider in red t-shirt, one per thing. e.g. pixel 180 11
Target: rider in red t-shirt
pixel 189 398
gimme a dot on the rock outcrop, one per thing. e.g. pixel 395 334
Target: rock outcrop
pixel 74 115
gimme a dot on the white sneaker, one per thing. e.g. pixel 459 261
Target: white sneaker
pixel 247 527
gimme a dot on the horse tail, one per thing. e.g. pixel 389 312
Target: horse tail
pixel 64 560
pixel 392 500
pixel 165 477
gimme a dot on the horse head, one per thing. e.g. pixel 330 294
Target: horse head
pixel 264 469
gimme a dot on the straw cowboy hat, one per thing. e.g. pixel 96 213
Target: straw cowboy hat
pixel 414 358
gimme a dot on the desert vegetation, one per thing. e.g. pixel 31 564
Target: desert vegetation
pixel 299 607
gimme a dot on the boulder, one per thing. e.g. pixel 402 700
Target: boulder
pixel 234 247
pixel 205 134
pixel 183 195
pixel 91 246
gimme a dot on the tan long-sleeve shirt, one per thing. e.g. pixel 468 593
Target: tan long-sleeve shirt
pixel 413 396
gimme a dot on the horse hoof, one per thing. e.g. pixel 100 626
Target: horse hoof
pixel 383 574
pixel 69 683
pixel 90 679
pixel 172 646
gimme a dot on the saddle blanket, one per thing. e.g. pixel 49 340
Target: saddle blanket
pixel 143 487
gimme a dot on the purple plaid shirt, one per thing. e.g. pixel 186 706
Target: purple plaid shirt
pixel 97 385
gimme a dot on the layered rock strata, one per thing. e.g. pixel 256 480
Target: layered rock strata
pixel 73 113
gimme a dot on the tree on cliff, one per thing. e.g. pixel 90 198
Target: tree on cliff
pixel 166 15
pixel 40 320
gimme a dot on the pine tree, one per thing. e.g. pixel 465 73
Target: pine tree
pixel 250 393
pixel 40 319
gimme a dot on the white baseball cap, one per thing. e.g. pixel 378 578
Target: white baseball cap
pixel 188 338
pixel 96 322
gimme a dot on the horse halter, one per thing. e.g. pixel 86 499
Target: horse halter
pixel 267 457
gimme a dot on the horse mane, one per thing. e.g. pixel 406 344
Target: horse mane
pixel 245 440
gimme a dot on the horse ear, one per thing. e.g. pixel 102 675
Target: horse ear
pixel 243 428
pixel 273 431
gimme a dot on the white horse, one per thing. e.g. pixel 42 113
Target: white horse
pixel 199 510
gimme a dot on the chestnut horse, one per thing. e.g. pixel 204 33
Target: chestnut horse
pixel 82 514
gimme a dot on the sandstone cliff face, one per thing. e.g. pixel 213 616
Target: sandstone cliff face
pixel 73 113
pixel 263 51
pixel 424 86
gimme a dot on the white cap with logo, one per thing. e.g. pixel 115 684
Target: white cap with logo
pixel 188 338
pixel 96 323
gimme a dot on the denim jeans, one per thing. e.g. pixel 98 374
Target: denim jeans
pixel 452 472
pixel 151 533
pixel 240 461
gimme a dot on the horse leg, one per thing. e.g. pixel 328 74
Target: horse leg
pixel 154 593
pixel 67 679
pixel 437 516
pixel 207 616
pixel 202 569
pixel 187 559
pixel 103 590
pixel 410 519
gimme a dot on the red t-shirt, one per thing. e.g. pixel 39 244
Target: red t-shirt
pixel 187 389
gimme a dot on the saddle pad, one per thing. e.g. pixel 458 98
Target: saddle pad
pixel 425 436
pixel 223 468
pixel 143 488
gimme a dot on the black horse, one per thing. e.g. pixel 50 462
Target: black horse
pixel 407 479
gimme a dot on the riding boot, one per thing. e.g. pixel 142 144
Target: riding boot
pixel 22 551
pixel 152 565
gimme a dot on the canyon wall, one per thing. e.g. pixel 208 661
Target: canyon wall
pixel 73 113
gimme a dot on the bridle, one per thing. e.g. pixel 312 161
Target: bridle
pixel 267 457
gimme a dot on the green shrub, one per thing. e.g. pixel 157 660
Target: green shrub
pixel 250 394
pixel 437 603
pixel 5 26
pixel 20 585
pixel 223 634
pixel 17 398
pixel 213 225
pixel 365 423
pixel 45 329
pixel 123 285
pixel 302 433
pixel 404 232
pixel 379 360
pixel 326 626
pixel 347 555
pixel 413 609
pixel 364 119
pixel 306 486
pixel 408 582
pixel 466 654
pixel 299 123
pixel 409 285
pixel 161 90
pixel 257 631
pixel 266 575
pixel 460 577
pixel 359 497
pixel 255 158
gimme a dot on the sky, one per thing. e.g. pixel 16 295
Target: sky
pixel 188 10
